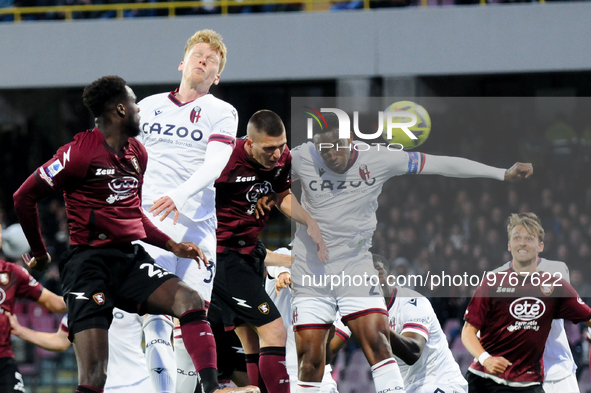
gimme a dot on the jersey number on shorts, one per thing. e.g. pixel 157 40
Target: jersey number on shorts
pixel 160 272
pixel 20 385
pixel 210 269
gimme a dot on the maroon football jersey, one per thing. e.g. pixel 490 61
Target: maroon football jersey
pixel 101 189
pixel 240 185
pixel 515 320
pixel 15 282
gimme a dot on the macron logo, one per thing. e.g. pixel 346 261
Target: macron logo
pixel 79 295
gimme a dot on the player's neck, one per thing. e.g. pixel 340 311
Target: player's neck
pixel 188 93
pixel 114 137
pixel 525 267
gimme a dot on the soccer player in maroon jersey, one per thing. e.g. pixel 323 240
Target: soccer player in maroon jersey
pixel 513 310
pixel 259 165
pixel 16 282
pixel 101 173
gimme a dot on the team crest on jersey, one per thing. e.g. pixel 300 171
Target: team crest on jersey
pixel 258 190
pixel 195 114
pixel 547 289
pixel 364 172
pixel 99 298
pixel 279 170
pixel 264 308
pixel 321 171
pixel 136 164
pixel 2 297
pixel 4 278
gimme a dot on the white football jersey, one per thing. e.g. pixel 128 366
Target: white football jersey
pixel 127 367
pixel 558 358
pixel 344 205
pixel 412 312
pixel 176 137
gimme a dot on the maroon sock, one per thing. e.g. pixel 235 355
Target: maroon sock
pixel 252 369
pixel 272 369
pixel 87 389
pixel 200 345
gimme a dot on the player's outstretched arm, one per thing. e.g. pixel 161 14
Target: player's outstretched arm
pixel 57 341
pixel 493 364
pixel 464 168
pixel 52 302
pixel 519 171
pixel 216 158
pixel 276 259
pixel 25 205
pixel 407 346
pixel 289 205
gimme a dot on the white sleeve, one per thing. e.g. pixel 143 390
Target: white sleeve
pixel 459 167
pixel 415 316
pixel 275 271
pixel 216 158
pixel 296 162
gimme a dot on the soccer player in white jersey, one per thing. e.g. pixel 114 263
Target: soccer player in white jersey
pixel 418 342
pixel 189 135
pixel 279 277
pixel 559 364
pixel 126 371
pixel 340 188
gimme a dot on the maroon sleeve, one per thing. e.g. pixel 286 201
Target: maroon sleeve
pixel 572 308
pixel 69 164
pixel 479 307
pixel 66 165
pixel 154 235
pixel 25 205
pixel 27 287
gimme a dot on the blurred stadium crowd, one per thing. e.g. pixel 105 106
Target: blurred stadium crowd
pixel 210 9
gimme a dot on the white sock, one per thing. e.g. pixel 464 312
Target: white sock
pixel 386 376
pixel 159 353
pixel 328 384
pixel 308 387
pixel 186 378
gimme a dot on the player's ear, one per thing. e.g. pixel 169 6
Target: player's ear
pixel 541 247
pixel 181 66
pixel 121 110
pixel 217 79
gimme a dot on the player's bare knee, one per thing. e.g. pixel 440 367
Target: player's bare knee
pixel 187 299
pixel 273 334
pixel 311 368
pixel 94 376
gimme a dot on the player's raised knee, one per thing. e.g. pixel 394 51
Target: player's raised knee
pixel 187 299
